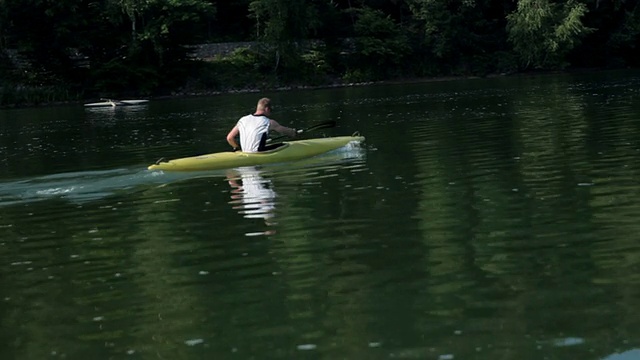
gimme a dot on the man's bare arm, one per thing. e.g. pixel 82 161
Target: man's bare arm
pixel 275 126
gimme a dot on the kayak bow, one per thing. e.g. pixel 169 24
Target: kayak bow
pixel 287 151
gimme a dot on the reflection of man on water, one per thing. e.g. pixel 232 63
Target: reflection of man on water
pixel 252 196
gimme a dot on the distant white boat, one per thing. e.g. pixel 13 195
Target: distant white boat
pixel 114 103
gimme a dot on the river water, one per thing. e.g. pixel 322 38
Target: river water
pixel 480 219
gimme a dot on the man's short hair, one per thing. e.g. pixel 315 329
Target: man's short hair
pixel 264 103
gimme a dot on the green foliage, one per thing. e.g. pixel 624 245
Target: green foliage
pixel 283 25
pixel 543 33
pixel 459 36
pixel 439 22
pixel 453 26
pixel 317 61
pixel 625 40
pixel 19 95
pixel 127 43
pixel 6 67
pixel 115 79
pixel 281 21
pixel 250 69
pixel 117 47
pixel 357 76
pixel 380 45
pixel 315 68
pixel 243 68
pixel 43 32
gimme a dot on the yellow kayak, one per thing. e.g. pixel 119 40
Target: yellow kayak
pixel 288 151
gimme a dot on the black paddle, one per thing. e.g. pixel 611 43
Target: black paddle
pixel 322 125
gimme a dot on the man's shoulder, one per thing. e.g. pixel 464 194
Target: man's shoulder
pixel 254 116
pixel 246 118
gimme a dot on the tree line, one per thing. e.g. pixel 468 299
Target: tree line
pixel 89 48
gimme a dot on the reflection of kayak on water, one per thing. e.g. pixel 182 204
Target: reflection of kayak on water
pixel 251 193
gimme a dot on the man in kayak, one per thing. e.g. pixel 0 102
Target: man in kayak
pixel 254 129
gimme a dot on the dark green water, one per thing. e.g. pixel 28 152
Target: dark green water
pixel 481 219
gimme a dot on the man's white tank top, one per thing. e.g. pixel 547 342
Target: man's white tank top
pixel 252 129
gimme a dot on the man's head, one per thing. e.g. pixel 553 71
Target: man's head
pixel 264 106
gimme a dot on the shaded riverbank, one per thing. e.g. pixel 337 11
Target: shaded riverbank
pixel 46 97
